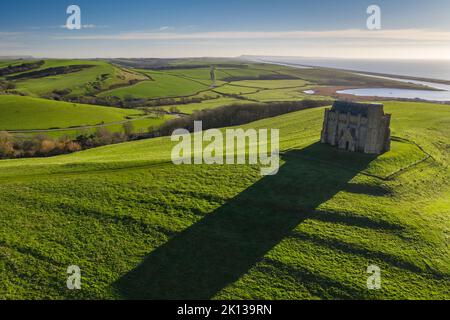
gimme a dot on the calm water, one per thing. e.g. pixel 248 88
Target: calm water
pixel 413 68
pixel 400 93
pixel 429 95
pixel 433 69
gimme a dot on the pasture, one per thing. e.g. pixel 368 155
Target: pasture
pixel 100 76
pixel 140 227
pixel 161 86
pixel 26 113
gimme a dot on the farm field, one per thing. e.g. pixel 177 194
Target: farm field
pixel 234 89
pixel 203 74
pixel 138 124
pixel 162 86
pixel 291 94
pixel 5 63
pixel 140 227
pixel 271 84
pixel 252 72
pixel 25 113
pixel 194 155
pixel 207 104
pixel 100 76
pixel 106 80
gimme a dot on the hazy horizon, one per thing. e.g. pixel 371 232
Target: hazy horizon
pixel 243 56
pixel 174 29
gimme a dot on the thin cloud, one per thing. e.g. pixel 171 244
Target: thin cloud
pixel 87 26
pixel 400 34
pixel 166 28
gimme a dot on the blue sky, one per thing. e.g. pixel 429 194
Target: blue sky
pixel 138 28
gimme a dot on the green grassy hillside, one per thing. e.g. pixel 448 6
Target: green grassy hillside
pixel 271 84
pixel 140 227
pixel 291 94
pixel 101 76
pixel 104 79
pixel 203 74
pixel 207 104
pixel 26 113
pixel 5 63
pixel 234 89
pixel 161 86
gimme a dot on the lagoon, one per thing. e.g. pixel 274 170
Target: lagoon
pixel 440 93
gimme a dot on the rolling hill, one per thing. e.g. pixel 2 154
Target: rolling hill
pixel 161 85
pixel 99 76
pixel 26 113
pixel 140 227
pixel 31 116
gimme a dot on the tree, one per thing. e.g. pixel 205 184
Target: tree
pixel 159 112
pixel 174 109
pixel 47 146
pixel 102 137
pixel 6 145
pixel 10 86
pixel 128 128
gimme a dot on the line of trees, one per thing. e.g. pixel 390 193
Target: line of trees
pixel 17 146
pixel 102 137
pixel 231 115
pixel 237 114
pixel 37 146
pixel 11 69
pixel 7 85
pixel 54 71
pixel 128 102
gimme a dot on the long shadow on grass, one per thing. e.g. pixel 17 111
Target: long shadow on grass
pixel 223 246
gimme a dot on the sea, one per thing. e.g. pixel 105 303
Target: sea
pixel 429 69
pixel 432 69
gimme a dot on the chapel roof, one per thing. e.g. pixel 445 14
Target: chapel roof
pixel 354 108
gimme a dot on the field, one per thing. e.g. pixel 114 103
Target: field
pixel 271 84
pixel 291 94
pixel 234 89
pixel 5 63
pixel 203 74
pixel 19 113
pixel 29 116
pixel 100 76
pixel 253 72
pixel 140 227
pixel 162 86
pixel 207 104
pixel 139 124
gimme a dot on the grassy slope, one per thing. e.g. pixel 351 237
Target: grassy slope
pixel 271 84
pixel 291 94
pixel 25 113
pixel 162 86
pixel 207 104
pixel 6 63
pixel 79 82
pixel 139 226
pixel 233 89
pixel 139 124
pixel 252 71
pixel 203 74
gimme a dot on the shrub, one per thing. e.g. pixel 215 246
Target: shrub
pixel 47 146
pixel 128 128
pixel 6 145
